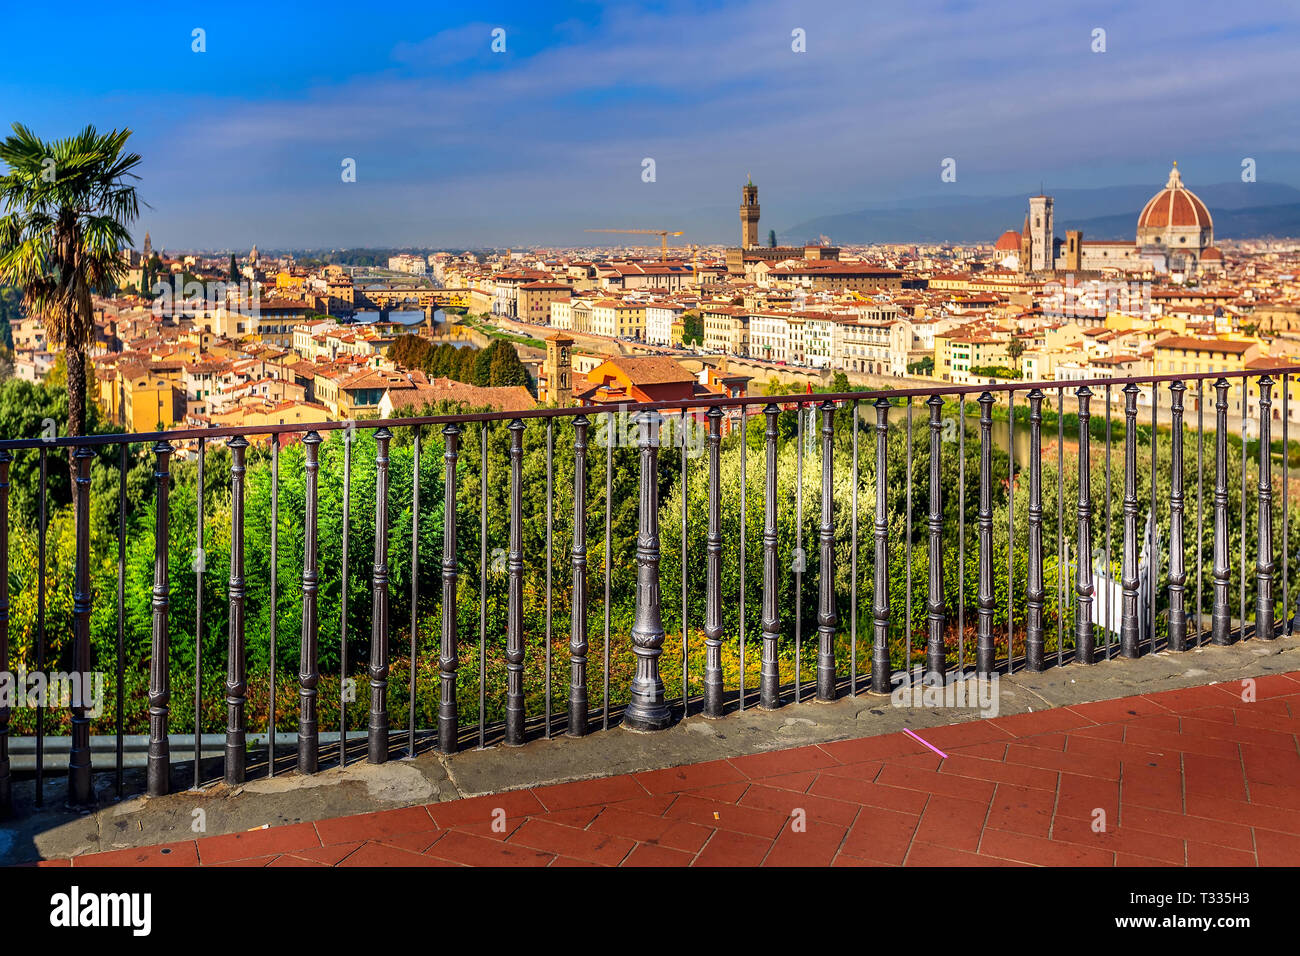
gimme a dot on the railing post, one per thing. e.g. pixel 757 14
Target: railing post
pixel 827 619
pixel 1034 584
pixel 769 693
pixel 1264 560
pixel 984 650
pixel 647 710
pixel 1219 618
pixel 80 789
pixel 578 644
pixel 713 687
pixel 236 678
pixel 308 669
pixel 881 667
pixel 160 692
pixel 1129 639
pixel 377 743
pixel 515 593
pixel 936 662
pixel 448 656
pixel 6 785
pixel 1177 563
pixel 1083 637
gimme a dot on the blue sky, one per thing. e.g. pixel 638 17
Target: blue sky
pixel 456 145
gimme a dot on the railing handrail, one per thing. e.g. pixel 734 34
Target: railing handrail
pixel 795 398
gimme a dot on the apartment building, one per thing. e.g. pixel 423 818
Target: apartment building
pixel 534 300
pixel 269 322
pixel 617 318
pixel 863 346
pixel 660 317
pixel 726 329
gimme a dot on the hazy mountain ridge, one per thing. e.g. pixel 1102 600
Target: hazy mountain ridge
pixel 1240 211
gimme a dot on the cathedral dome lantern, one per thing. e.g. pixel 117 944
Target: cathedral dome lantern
pixel 1175 205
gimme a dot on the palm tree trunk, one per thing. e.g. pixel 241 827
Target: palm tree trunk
pixel 75 361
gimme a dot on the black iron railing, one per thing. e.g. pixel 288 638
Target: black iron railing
pixel 1090 615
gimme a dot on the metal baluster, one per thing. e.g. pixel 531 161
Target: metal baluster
pixel 961 535
pixel 1011 527
pixel 827 619
pixel 415 590
pixel 1264 560
pixel 1153 569
pixel 1177 570
pixel 984 650
pixel 1110 566
pixel 1084 648
pixel 343 600
pixel 158 772
pixel 1062 562
pixel 713 687
pixel 448 653
pixel 609 498
pixel 744 485
pixel 550 564
pixel 308 668
pixel 342 622
pixel 121 613
pixel 686 674
pixel 40 630
pixel 199 560
pixel 1245 401
pixel 1129 638
pixel 907 604
pixel 1034 585
pixel 515 593
pixel 853 568
pixel 881 669
pixel 935 655
pixel 1219 621
pixel 482 586
pixel 236 666
pixel 6 783
pixel 646 709
pixel 80 789
pixel 275 570
pixel 578 605
pixel 800 560
pixel 1200 509
pixel 377 737
pixel 769 693
pixel 1286 528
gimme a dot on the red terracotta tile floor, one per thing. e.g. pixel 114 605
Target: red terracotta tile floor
pixel 1183 778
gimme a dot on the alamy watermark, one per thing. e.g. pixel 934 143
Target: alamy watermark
pixel 34 689
pixel 964 691
pixel 666 431
pixel 179 295
pixel 1093 298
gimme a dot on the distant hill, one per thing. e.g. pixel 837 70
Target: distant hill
pixel 1240 211
pixel 1254 222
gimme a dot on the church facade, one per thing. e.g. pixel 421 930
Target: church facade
pixel 1175 233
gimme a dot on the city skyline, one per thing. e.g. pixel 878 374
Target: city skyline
pixel 245 142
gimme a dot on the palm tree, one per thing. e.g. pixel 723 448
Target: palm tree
pixel 67 205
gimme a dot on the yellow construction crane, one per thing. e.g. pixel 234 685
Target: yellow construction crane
pixel 663 235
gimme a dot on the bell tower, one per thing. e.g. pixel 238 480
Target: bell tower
pixel 1042 253
pixel 749 215
pixel 559 371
